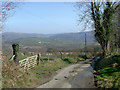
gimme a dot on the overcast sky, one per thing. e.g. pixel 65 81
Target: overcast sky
pixel 45 18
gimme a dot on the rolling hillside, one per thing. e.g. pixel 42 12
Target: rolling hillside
pixel 55 40
pixel 12 35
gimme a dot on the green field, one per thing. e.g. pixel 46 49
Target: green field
pixel 46 42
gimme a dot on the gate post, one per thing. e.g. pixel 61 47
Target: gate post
pixel 15 52
pixel 38 59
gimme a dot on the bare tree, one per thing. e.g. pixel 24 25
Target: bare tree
pixel 5 11
pixel 119 25
pixel 116 27
pixel 6 8
pixel 100 16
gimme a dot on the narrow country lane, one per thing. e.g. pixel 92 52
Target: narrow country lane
pixel 75 76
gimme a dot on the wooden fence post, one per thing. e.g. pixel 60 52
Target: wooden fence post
pixel 61 55
pixel 15 52
pixel 38 59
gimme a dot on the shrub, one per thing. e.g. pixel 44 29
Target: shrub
pixel 67 60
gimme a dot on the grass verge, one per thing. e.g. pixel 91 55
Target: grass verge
pixel 108 72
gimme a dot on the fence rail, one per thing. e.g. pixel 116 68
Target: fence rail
pixel 29 62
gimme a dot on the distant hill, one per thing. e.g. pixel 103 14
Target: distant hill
pixel 57 40
pixel 12 35
pixel 76 37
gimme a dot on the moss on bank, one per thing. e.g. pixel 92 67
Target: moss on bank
pixel 108 72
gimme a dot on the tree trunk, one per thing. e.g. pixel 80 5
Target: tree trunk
pixel 106 48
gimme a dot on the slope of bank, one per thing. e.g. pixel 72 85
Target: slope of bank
pixel 15 77
pixel 108 71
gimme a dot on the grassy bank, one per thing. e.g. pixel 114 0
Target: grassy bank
pixel 108 72
pixel 16 77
